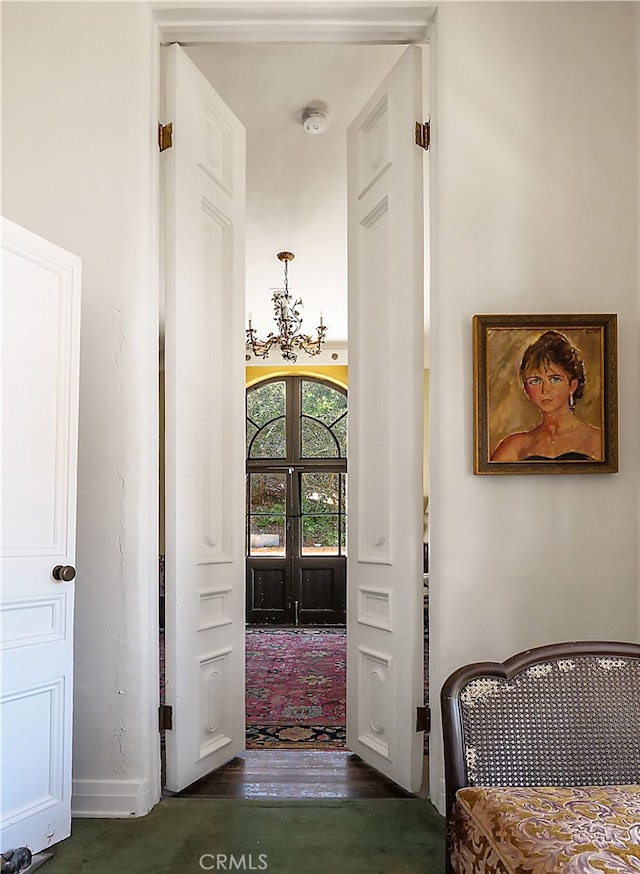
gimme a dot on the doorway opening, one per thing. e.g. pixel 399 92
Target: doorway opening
pixel 296 527
pixel 384 611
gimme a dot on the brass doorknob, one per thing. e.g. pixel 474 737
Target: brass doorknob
pixel 64 573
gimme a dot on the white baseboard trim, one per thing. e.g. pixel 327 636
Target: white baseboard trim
pixel 112 798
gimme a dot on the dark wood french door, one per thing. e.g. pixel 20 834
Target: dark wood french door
pixel 296 503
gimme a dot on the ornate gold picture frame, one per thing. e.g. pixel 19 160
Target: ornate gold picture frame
pixel 545 394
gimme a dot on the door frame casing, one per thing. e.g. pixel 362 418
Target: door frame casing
pixel 265 21
pixel 390 24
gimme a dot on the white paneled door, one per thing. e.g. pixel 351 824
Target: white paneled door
pixel 204 202
pixel 386 342
pixel 40 358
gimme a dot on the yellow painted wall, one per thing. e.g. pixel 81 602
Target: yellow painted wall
pixel 337 373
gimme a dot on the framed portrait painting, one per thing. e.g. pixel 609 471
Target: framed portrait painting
pixel 545 394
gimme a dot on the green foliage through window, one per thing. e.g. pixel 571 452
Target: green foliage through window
pixel 266 411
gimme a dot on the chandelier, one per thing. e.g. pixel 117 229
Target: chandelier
pixel 289 321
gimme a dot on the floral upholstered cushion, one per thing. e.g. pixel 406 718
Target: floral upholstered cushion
pixel 546 830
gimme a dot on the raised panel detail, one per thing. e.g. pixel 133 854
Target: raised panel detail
pixel 31 621
pixel 267 588
pixel 374 471
pixel 216 146
pixel 317 587
pixel 35 448
pixel 374 607
pixel 32 719
pixel 213 400
pixel 373 146
pixel 214 608
pixel 214 680
pixel 374 705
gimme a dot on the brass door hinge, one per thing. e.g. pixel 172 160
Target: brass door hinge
pixel 165 136
pixel 423 134
pixel 165 717
pixel 423 719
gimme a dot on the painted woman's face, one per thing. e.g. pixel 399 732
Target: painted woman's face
pixel 549 388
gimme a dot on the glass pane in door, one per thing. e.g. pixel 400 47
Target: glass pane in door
pixel 323 510
pixel 323 427
pixel 266 422
pixel 270 441
pixel 318 441
pixel 267 495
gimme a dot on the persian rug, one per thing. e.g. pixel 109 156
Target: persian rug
pixel 266 729
pixel 296 688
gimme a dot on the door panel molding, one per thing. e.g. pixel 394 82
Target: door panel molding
pixel 375 716
pixel 214 370
pixel 373 385
pixel 214 607
pixel 53 294
pixel 375 607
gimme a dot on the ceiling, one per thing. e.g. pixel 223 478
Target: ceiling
pixel 296 181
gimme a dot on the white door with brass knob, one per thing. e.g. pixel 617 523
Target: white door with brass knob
pixel 40 354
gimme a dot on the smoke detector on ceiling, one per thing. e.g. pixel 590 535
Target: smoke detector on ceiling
pixel 315 120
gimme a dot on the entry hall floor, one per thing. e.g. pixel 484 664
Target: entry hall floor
pixel 273 774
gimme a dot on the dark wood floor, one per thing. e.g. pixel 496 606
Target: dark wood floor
pixel 295 774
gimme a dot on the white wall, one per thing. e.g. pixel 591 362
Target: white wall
pixel 77 169
pixel 536 210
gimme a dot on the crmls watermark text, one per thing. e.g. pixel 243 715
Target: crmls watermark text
pixel 230 862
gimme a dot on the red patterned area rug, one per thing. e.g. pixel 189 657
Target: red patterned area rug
pixel 296 688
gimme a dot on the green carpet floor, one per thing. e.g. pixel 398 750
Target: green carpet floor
pixel 184 835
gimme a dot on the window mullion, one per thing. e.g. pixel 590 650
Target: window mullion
pixel 294 413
